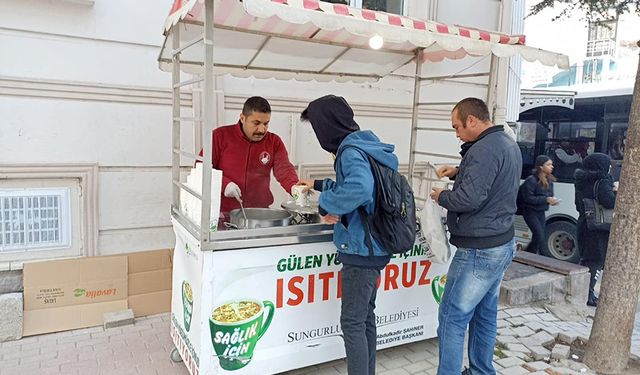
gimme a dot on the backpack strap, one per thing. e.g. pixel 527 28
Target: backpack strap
pixel 364 218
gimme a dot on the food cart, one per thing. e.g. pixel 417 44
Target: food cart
pixel 267 300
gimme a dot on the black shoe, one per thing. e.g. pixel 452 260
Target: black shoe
pixel 592 301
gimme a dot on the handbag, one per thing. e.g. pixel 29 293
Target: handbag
pixel 598 217
pixel 432 233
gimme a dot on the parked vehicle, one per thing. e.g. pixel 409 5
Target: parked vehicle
pixel 567 126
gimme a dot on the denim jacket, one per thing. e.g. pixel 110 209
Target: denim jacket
pixel 354 187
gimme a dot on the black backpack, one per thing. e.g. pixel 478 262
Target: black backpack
pixel 393 222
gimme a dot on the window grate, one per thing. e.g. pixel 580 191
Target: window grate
pixel 34 219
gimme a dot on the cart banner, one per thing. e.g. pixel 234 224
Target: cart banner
pixel 278 308
pixel 186 298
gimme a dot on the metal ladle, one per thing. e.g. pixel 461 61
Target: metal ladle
pixel 244 214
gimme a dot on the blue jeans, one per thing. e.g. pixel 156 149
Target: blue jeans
pixel 357 319
pixel 471 297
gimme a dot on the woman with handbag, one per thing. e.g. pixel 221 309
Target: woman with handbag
pixel 534 197
pixel 594 185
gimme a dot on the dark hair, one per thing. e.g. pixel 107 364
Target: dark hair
pixel 545 179
pixel 256 104
pixel 541 159
pixel 472 107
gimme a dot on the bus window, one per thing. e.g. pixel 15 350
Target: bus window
pixel 573 129
pixel 617 140
pixel 615 148
pixel 526 138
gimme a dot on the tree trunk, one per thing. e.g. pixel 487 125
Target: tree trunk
pixel 610 342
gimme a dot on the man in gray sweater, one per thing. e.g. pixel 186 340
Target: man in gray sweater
pixel 480 215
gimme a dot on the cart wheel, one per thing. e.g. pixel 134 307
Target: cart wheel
pixel 175 356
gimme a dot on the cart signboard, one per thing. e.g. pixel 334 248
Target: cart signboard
pixel 272 309
pixel 186 298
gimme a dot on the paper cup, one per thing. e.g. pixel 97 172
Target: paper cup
pixel 440 184
pixel 300 195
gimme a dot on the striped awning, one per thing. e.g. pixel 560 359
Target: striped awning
pixel 317 39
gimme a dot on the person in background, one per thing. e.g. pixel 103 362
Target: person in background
pixel 246 153
pixel 534 197
pixel 332 120
pixel 566 159
pixel 480 215
pixel 593 243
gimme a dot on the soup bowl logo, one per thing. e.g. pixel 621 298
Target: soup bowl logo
pixel 236 326
pixel 437 287
pixel 187 304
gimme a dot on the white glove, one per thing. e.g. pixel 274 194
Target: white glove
pixel 233 191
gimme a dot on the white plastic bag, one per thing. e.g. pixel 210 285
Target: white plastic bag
pixel 432 235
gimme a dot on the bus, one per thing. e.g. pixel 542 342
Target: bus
pixel 567 126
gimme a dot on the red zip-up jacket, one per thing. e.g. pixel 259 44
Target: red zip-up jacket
pixel 249 165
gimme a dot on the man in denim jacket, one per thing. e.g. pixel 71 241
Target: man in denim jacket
pixel 338 133
pixel 480 215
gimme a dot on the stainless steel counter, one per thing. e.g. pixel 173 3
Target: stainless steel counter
pixel 238 239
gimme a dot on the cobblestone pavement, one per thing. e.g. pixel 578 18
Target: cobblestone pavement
pixel 143 348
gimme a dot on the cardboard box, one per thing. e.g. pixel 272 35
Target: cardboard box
pixel 149 260
pixel 68 317
pixel 69 294
pixel 150 303
pixel 150 282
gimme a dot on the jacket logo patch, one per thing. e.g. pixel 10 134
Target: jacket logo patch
pixel 265 158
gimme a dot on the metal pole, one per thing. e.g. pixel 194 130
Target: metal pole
pixel 493 81
pixel 414 115
pixel 175 130
pixel 209 105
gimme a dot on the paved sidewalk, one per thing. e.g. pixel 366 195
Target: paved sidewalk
pixel 144 348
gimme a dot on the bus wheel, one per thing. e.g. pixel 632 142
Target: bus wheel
pixel 562 241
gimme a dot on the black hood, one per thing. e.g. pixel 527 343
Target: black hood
pixel 594 167
pixel 332 120
pixel 597 162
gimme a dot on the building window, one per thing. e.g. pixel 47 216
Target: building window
pixel 390 6
pixel 602 38
pixel 32 220
pixel 47 212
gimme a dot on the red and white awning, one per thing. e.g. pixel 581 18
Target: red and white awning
pixel 319 39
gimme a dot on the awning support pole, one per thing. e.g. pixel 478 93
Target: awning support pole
pixel 414 114
pixel 210 112
pixel 491 90
pixel 175 129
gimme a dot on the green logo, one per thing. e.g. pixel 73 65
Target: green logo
pixel 187 304
pixel 236 327
pixel 437 287
pixel 78 292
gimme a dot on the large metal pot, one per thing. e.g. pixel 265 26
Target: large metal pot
pixel 259 218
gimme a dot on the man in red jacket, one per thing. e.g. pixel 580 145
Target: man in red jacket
pixel 246 153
